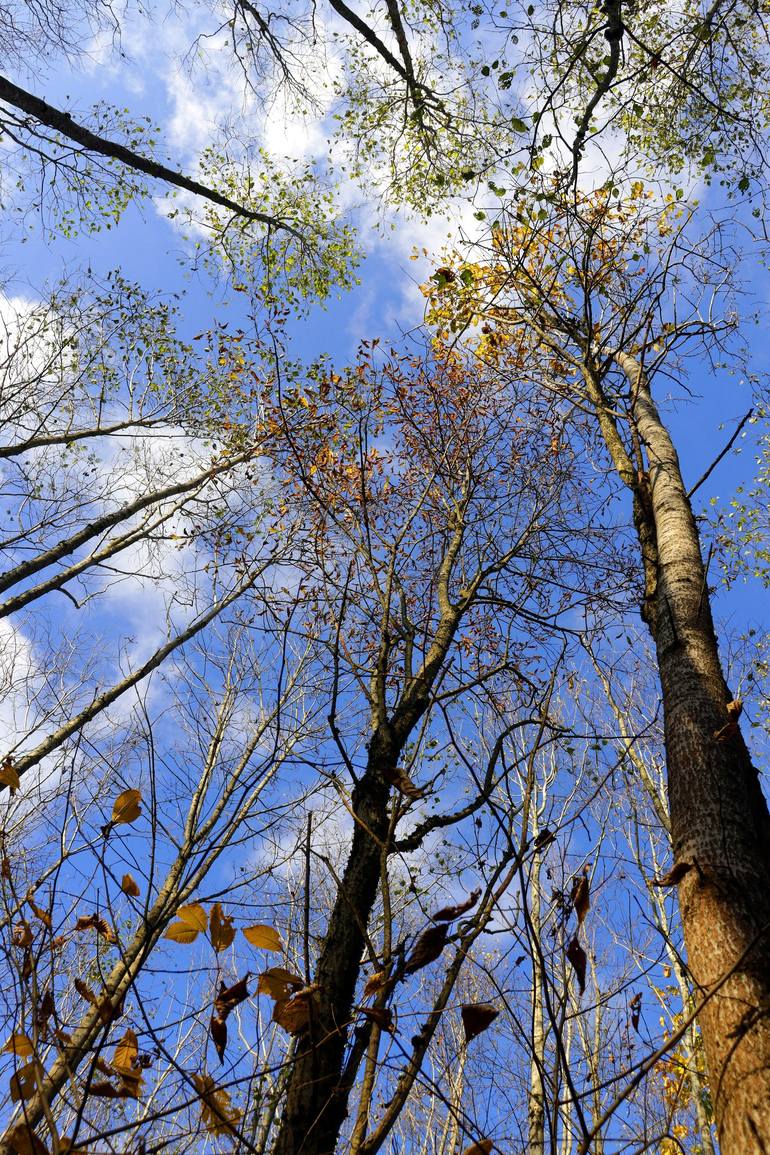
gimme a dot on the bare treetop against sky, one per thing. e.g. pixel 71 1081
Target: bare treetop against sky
pixel 384 565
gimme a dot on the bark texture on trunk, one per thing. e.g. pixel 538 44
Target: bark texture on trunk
pixel 719 817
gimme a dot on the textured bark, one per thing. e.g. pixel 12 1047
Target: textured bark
pixel 719 816
pixel 316 1102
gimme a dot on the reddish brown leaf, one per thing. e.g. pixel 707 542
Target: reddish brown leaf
pixel 476 1018
pixel 231 997
pixel 129 887
pixel 382 1016
pixel 635 1007
pixel 97 923
pixel 577 956
pixel 580 896
pixel 427 948
pixel 105 1090
pixel 218 1031
pixel 675 875
pixel 403 783
pixel 449 913
pixel 45 1010
pixel 9 775
pixel 295 1014
pixel 38 912
pixel 730 728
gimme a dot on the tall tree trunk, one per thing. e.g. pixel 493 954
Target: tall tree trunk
pixel 536 1097
pixel 719 817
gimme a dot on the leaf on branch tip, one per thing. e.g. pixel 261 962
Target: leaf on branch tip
pixel 263 937
pixel 581 896
pixel 375 983
pixel 480 1147
pixel 129 887
pixel 577 956
pixel 675 875
pixel 730 728
pixel 476 1018
pixel 428 947
pixel 218 1032
pixel 231 997
pixel 403 783
pixel 221 929
pixel 127 807
pixel 635 1007
pixel 449 913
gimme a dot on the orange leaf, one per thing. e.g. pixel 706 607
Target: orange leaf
pixel 221 929
pixel 129 887
pixel 294 1014
pixel 19 1045
pixel 481 1147
pixel 428 947
pixel 191 920
pixel 23 1083
pixel 278 983
pixel 127 807
pixel 8 775
pixel 97 923
pixel 449 913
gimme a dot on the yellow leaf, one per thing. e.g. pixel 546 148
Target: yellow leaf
pixel 217 1115
pixel 191 920
pixel 221 929
pixel 129 887
pixel 264 937
pixel 9 776
pixel 127 807
pixel 126 1050
pixel 19 1045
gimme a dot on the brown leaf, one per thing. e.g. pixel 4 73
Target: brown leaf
pixel 580 896
pixel 38 912
pixel 8 775
pixel 382 1016
pixel 191 920
pixel 23 1083
pixel 218 1032
pixel 476 1018
pixel 635 1007
pixel 221 929
pixel 278 983
pixel 217 1115
pixel 97 923
pixel 103 1003
pixel 263 937
pixel 22 934
pixel 105 1090
pixel 45 1009
pixel 577 956
pixel 481 1147
pixel 19 1045
pixel 543 839
pixel 127 807
pixel 125 1053
pixel 402 782
pixel 22 1140
pixel 5 868
pixel 231 997
pixel 427 948
pixel 675 875
pixel 129 887
pixel 295 1014
pixel 730 728
pixel 449 913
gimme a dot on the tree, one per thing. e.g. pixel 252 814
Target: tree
pixel 573 284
